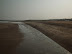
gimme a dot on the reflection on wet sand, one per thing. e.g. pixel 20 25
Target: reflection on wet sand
pixel 36 42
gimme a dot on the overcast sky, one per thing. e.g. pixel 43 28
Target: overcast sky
pixel 35 9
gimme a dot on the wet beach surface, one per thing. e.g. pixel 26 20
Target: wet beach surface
pixel 23 39
pixel 10 37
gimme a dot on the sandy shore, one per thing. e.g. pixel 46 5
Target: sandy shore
pixel 59 33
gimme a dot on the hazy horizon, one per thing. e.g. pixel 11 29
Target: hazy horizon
pixel 35 9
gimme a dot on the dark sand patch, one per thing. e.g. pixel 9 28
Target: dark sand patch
pixel 10 37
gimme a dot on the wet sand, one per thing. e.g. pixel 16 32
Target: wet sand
pixel 24 39
pixel 10 37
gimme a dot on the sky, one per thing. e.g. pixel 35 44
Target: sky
pixel 35 9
